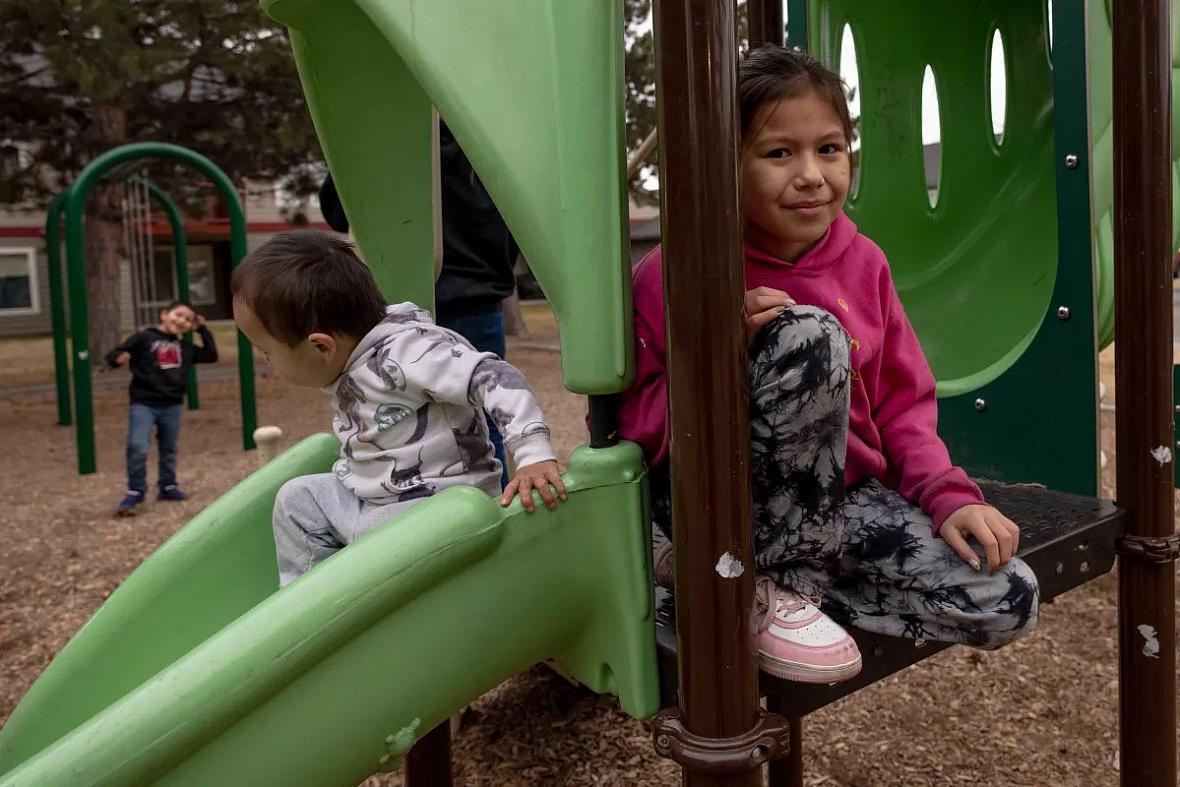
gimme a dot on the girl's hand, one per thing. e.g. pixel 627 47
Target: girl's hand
pixel 539 476
pixel 763 306
pixel 999 535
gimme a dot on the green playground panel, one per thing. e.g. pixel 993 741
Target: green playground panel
pixel 532 91
pixel 1102 129
pixel 984 272
pixel 197 672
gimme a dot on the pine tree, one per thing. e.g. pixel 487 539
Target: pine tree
pixel 78 77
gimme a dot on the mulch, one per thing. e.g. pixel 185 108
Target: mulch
pixel 1041 712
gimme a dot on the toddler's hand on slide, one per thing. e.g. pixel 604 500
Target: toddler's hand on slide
pixel 999 535
pixel 540 476
pixel 763 305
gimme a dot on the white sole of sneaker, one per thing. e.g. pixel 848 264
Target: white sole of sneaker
pixel 808 673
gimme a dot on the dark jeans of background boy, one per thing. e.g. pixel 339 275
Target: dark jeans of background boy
pixel 166 420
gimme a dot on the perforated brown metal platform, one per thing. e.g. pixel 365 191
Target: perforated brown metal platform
pixel 1067 539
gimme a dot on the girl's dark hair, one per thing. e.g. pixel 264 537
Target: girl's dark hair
pixel 304 282
pixel 772 73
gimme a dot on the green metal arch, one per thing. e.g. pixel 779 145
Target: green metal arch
pixel 57 312
pixel 75 199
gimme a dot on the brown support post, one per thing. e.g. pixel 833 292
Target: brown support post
pixel 1143 360
pixel 428 764
pixel 787 772
pixel 766 22
pixel 720 735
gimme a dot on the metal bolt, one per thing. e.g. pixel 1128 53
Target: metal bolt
pixel 1071 161
pixel 980 405
pixel 919 643
pixel 1084 567
pixel 1060 568
pixel 1063 312
pixel 663 742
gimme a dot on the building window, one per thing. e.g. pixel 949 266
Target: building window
pixel 18 282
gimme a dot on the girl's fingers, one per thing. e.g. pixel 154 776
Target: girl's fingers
pixel 756 321
pixel 764 302
pixel 991 546
pixel 954 539
pixel 1003 537
pixel 1014 529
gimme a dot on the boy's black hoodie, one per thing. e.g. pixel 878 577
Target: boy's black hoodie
pixel 159 364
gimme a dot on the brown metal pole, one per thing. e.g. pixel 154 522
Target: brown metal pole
pixel 720 735
pixel 787 772
pixel 428 764
pixel 1143 360
pixel 766 22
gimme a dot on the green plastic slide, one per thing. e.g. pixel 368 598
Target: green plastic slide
pixel 197 672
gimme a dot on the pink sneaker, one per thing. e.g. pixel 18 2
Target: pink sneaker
pixel 798 642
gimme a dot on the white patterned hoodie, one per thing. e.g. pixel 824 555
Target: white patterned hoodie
pixel 409 412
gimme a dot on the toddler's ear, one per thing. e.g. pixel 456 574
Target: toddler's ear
pixel 324 343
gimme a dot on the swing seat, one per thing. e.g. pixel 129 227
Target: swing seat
pixel 1066 539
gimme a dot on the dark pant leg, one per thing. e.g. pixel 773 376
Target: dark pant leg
pixel 485 331
pixel 167 436
pixel 139 441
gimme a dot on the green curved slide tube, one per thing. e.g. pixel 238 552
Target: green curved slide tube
pixel 197 672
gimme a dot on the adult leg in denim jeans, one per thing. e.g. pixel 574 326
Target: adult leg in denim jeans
pixel 139 441
pixel 167 434
pixel 485 331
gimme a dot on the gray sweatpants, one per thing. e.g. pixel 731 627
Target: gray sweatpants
pixel 315 517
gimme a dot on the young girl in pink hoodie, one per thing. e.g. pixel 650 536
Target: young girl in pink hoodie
pixel 856 501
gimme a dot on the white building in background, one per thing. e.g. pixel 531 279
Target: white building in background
pixel 24 280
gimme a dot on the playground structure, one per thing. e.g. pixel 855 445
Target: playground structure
pixel 366 638
pixel 70 205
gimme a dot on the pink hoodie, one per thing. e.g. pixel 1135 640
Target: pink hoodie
pixel 894 414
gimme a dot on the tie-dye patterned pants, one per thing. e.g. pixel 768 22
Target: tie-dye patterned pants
pixel 868 552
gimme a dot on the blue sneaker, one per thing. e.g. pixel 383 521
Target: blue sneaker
pixel 172 493
pixel 128 504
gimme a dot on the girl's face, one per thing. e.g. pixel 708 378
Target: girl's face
pixel 795 175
